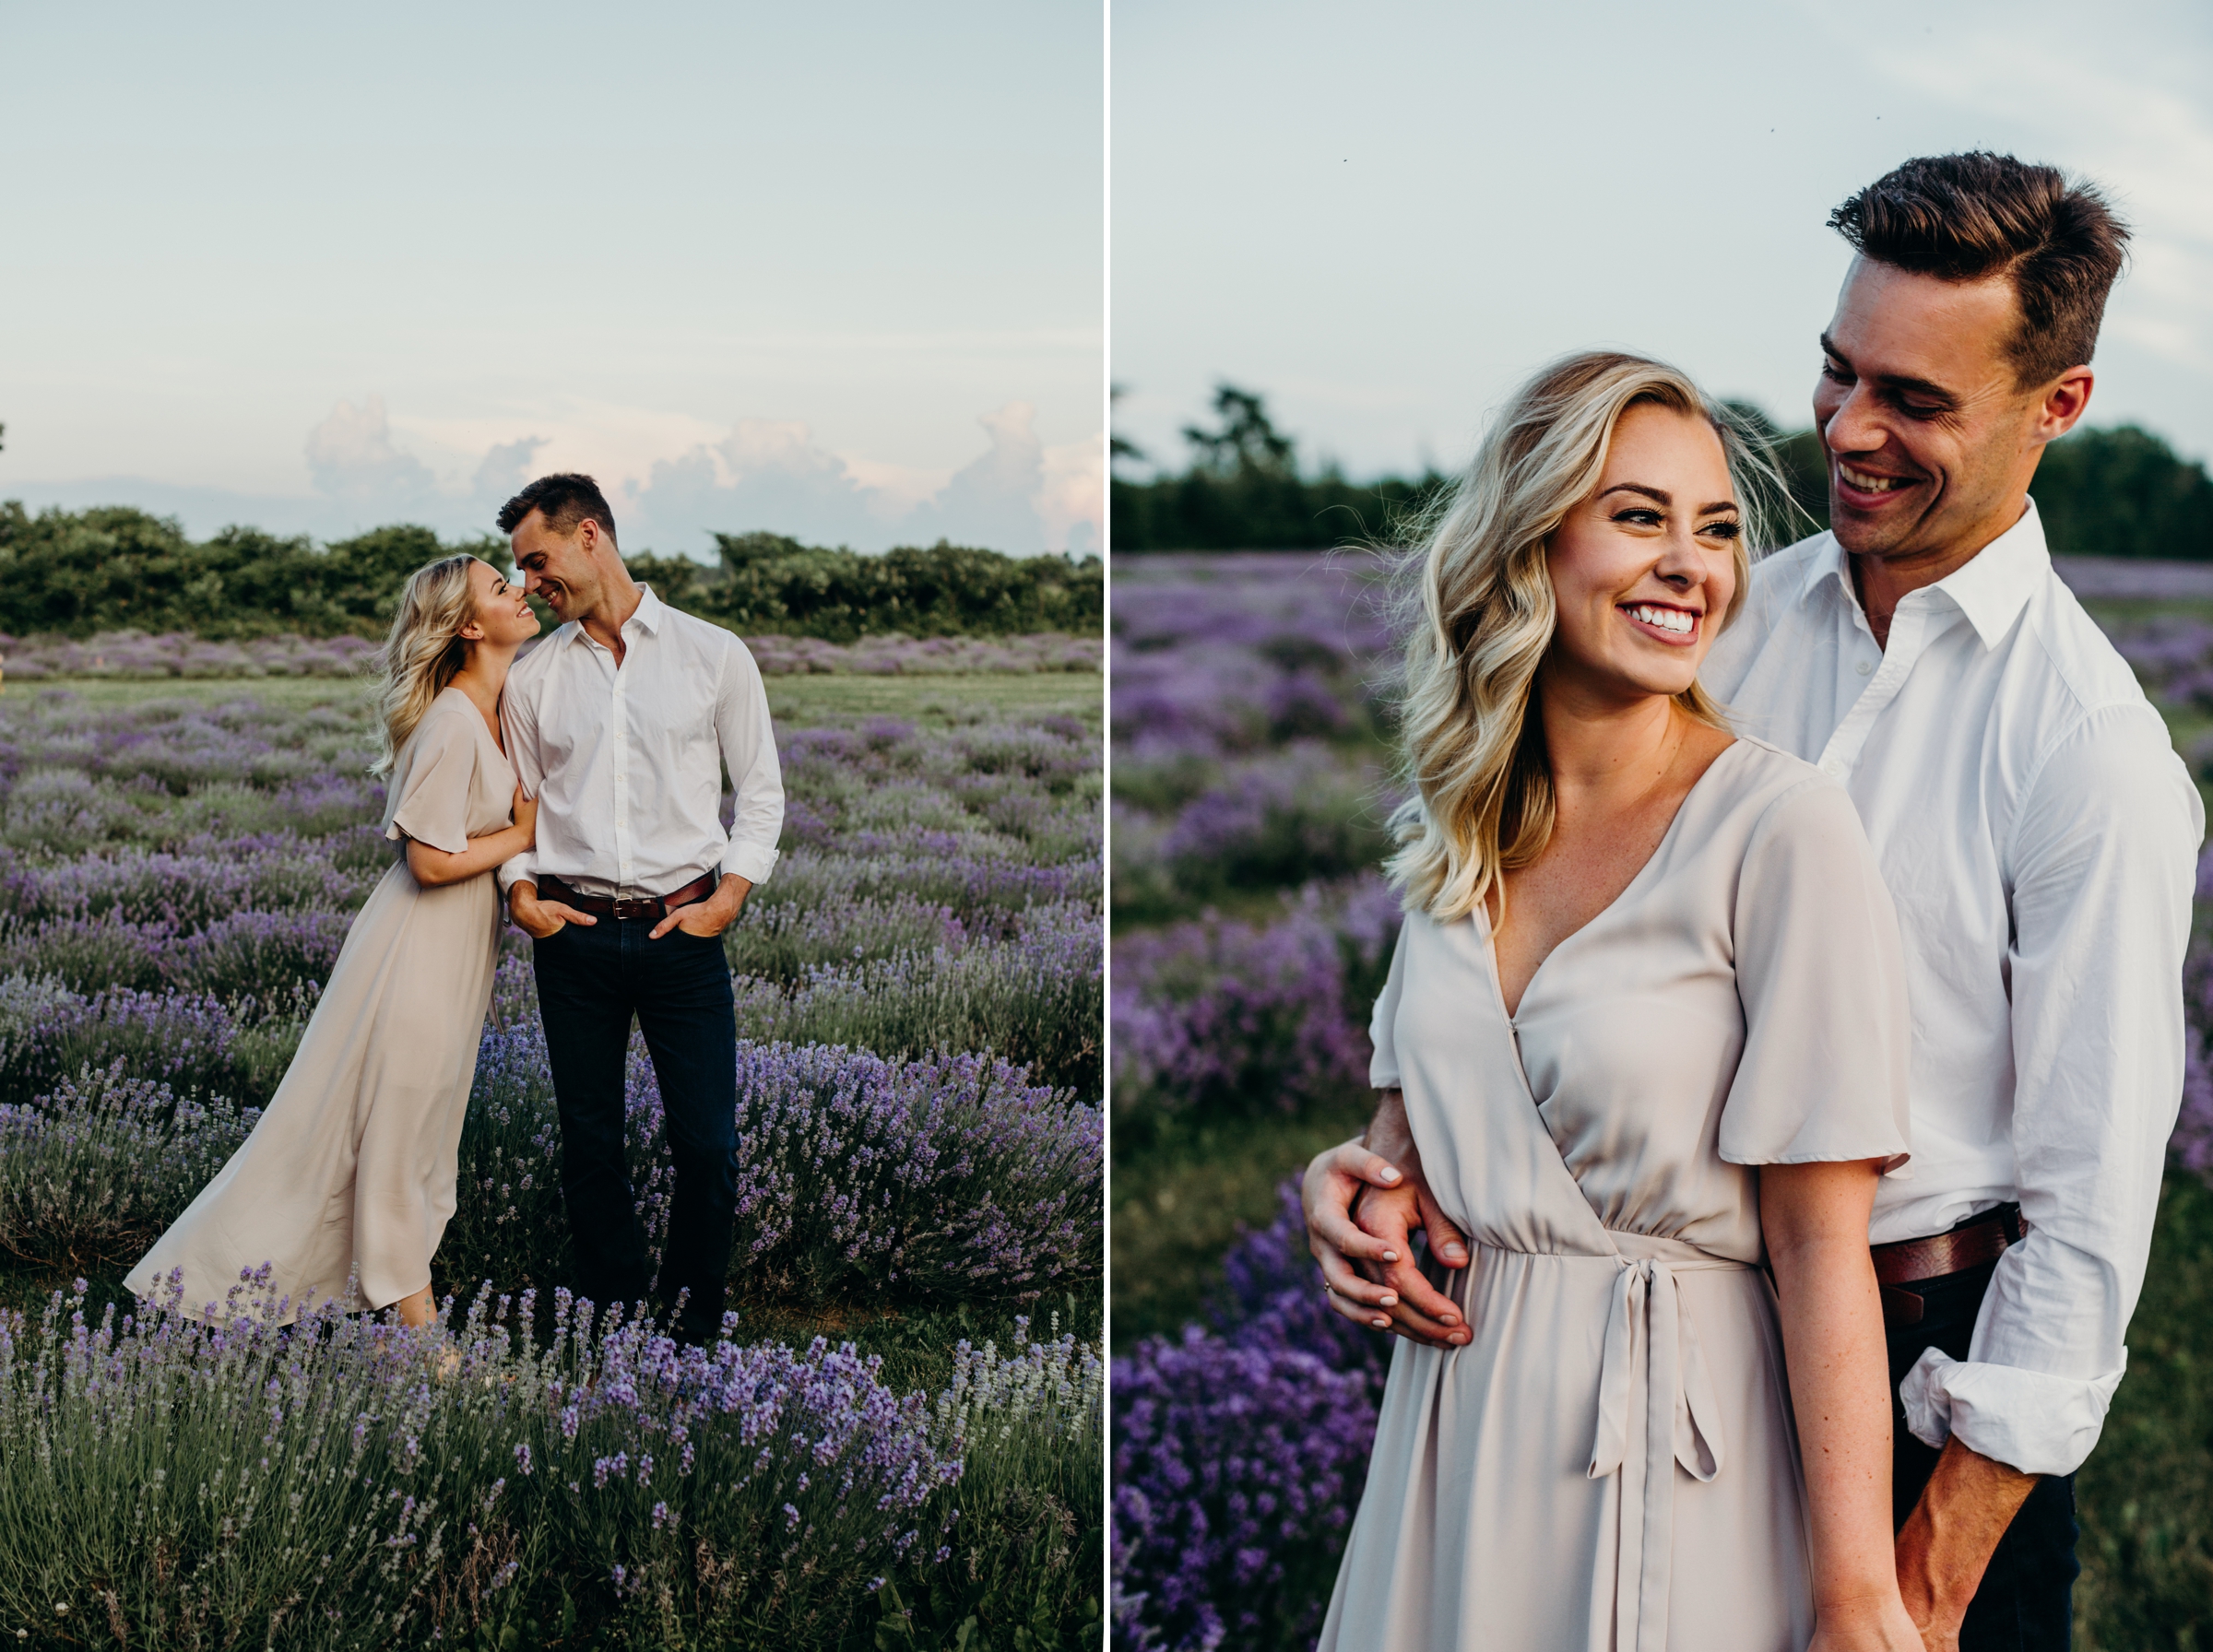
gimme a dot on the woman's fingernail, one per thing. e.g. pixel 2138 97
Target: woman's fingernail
pixel 1389 1301
pixel 1391 1255
pixel 1381 1323
pixel 1389 1174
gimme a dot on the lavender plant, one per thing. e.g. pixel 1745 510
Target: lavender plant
pixel 91 1175
pixel 1225 1018
pixel 942 1178
pixel 1035 999
pixel 341 1483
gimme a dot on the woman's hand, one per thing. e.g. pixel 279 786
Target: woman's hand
pixel 525 816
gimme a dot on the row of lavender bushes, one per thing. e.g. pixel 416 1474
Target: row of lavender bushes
pixel 1252 933
pixel 135 654
pixel 345 1484
pixel 921 1098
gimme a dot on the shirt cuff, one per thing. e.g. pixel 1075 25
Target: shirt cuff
pixel 518 869
pixel 749 862
pixel 2031 1420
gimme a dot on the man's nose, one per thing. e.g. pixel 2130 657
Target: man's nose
pixel 1853 427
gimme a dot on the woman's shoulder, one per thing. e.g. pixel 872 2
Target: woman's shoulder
pixel 1764 788
pixel 1761 771
pixel 449 722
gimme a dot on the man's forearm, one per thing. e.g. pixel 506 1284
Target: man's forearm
pixel 1389 1135
pixel 1946 1542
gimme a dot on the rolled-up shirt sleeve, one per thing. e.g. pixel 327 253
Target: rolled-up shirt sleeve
pixel 2101 866
pixel 749 752
pixel 1384 1065
pixel 519 726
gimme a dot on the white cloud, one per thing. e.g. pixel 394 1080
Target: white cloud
pixel 505 469
pixel 1073 499
pixel 674 482
pixel 768 474
pixel 350 456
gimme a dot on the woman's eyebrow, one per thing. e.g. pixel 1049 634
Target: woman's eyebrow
pixel 1662 496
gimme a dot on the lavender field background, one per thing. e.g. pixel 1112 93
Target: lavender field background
pixel 1250 933
pixel 899 1440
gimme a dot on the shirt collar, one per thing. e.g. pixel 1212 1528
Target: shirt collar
pixel 648 618
pixel 1991 588
pixel 1996 581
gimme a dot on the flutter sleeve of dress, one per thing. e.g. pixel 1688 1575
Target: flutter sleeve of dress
pixel 1383 1065
pixel 1821 973
pixel 430 783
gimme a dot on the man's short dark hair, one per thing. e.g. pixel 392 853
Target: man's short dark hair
pixel 1964 218
pixel 567 498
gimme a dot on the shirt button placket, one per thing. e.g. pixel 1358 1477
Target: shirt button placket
pixel 624 869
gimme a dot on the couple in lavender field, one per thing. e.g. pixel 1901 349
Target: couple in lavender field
pixel 1786 1027
pixel 586 780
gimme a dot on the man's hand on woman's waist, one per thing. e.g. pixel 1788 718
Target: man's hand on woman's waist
pixel 1367 1260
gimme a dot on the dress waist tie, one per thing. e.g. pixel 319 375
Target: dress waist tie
pixel 1656 1409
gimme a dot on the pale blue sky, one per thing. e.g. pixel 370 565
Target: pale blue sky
pixel 1383 216
pixel 831 271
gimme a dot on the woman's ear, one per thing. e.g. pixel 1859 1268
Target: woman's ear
pixel 471 633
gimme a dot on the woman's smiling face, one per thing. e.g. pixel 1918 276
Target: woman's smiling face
pixel 502 615
pixel 1644 569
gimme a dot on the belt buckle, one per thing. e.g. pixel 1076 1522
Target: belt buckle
pixel 629 908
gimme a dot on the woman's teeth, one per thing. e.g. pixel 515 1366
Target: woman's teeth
pixel 1665 618
pixel 1870 484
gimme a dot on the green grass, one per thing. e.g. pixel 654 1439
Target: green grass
pixel 2145 1496
pixel 931 700
pixel 1177 1207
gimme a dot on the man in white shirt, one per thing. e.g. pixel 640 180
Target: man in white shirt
pixel 2040 836
pixel 621 723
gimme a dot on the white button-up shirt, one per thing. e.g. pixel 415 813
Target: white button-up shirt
pixel 627 763
pixel 2040 837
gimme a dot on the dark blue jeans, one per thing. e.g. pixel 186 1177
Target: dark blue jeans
pixel 2026 1603
pixel 591 981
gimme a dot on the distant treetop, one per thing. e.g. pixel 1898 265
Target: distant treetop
pixel 115 568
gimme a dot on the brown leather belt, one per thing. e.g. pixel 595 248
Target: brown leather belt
pixel 1981 1238
pixel 656 907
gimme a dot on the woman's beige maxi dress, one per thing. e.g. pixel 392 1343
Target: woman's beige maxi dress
pixel 1610 1462
pixel 350 1171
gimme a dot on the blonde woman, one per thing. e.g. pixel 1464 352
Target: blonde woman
pixel 350 1174
pixel 1648 1023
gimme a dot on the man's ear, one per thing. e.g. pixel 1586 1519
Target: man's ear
pixel 2065 400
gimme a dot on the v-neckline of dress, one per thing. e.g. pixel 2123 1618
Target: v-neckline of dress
pixel 1490 940
pixel 476 717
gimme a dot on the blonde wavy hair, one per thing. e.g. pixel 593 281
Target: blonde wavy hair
pixel 423 652
pixel 1477 609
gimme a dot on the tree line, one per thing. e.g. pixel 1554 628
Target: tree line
pixel 115 568
pixel 2117 493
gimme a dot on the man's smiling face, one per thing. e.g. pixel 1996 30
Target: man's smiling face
pixel 1930 441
